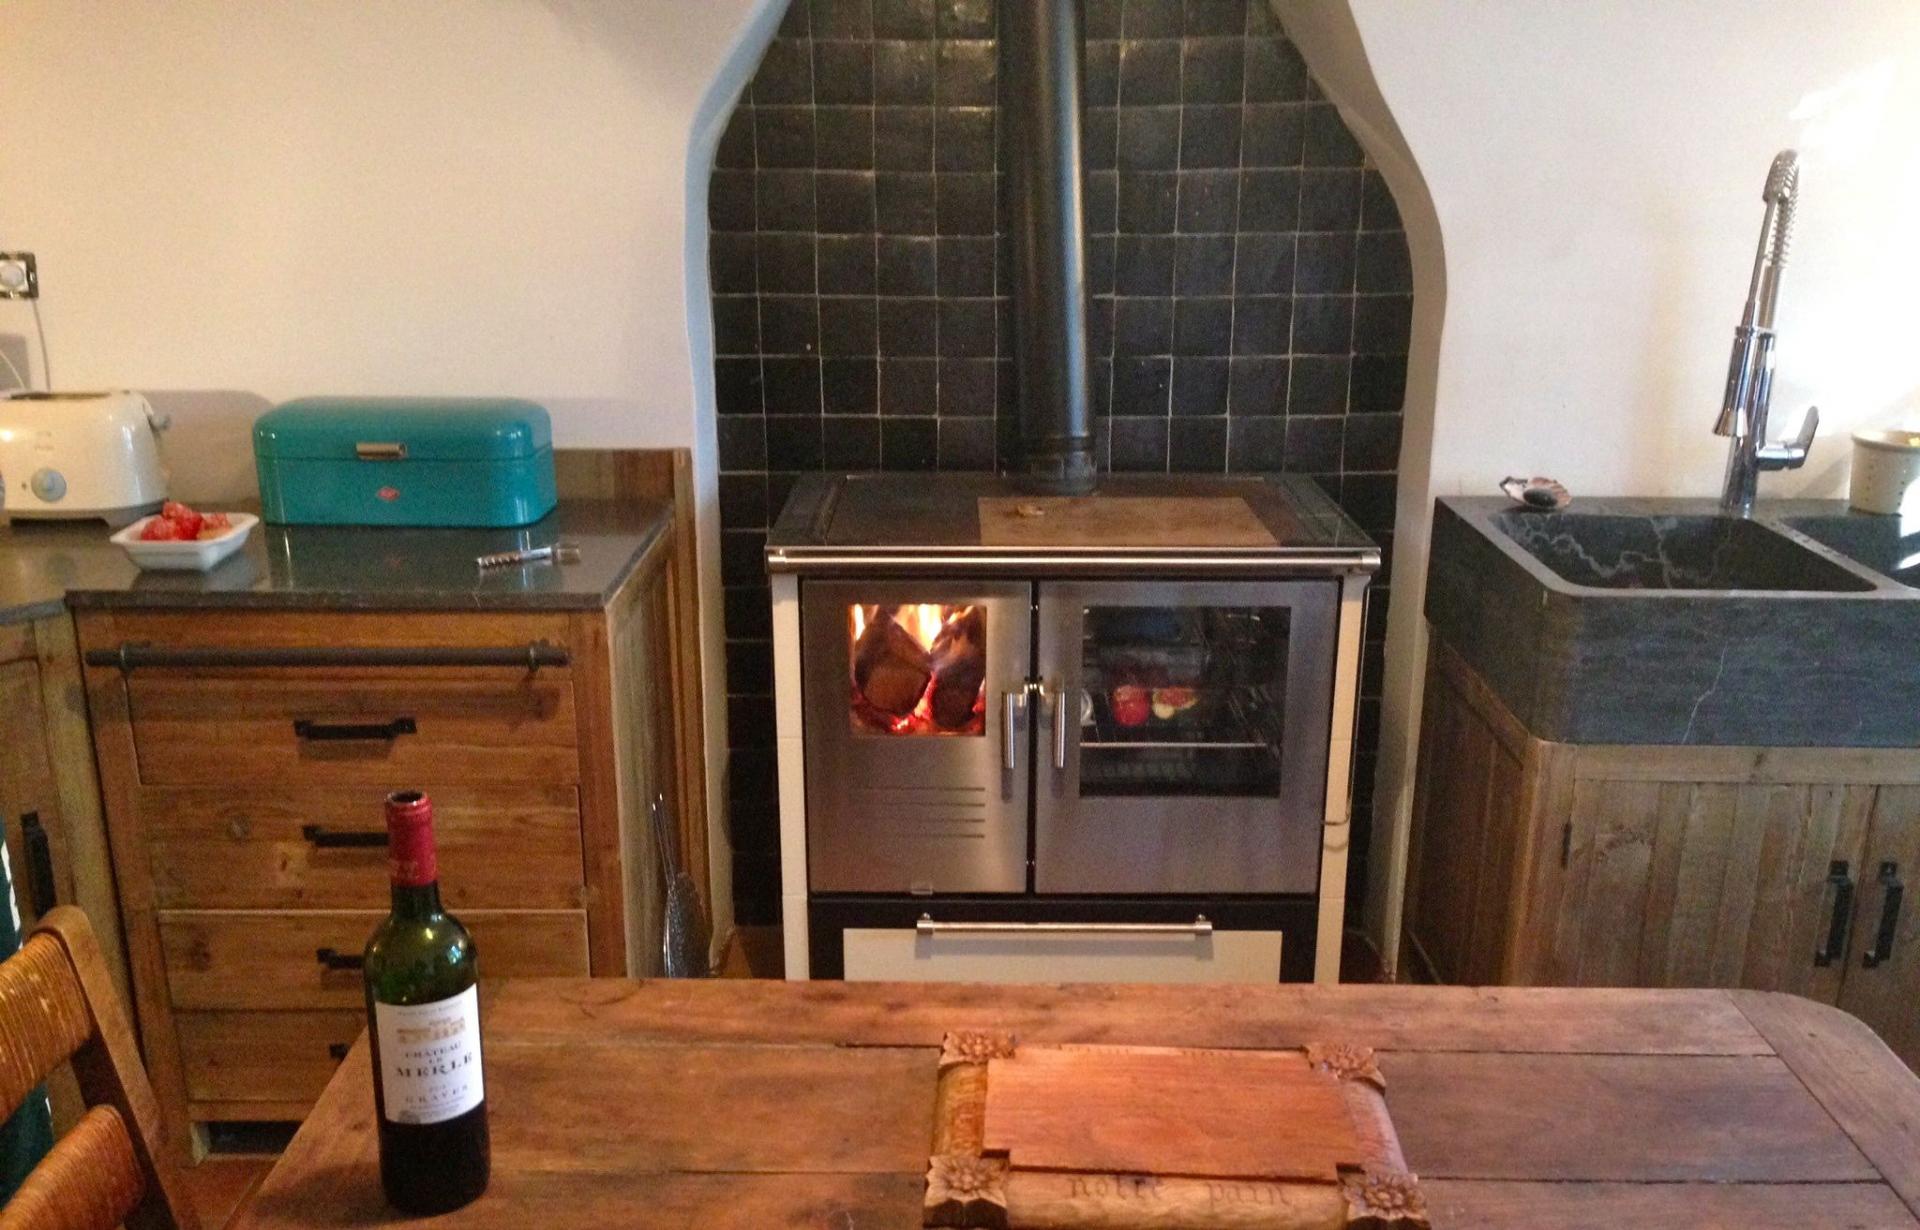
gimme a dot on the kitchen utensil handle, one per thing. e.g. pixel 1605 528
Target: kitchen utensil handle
pixel 333 959
pixel 1892 893
pixel 1012 703
pixel 1200 928
pixel 323 838
pixel 345 732
pixel 1840 879
pixel 131 656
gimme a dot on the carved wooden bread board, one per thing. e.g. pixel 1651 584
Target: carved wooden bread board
pixel 1159 1138
pixel 1121 521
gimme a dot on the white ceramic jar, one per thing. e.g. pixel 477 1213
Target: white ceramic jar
pixel 1886 471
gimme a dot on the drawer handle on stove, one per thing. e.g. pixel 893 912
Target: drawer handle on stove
pixel 344 732
pixel 333 959
pixel 323 838
pixel 1200 928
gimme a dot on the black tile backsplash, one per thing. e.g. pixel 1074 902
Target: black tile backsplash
pixel 1251 291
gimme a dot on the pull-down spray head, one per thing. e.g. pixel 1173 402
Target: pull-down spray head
pixel 1753 342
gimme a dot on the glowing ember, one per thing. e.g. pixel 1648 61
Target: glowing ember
pixel 918 669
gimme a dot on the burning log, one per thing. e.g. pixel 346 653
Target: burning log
pixel 959 668
pixel 890 668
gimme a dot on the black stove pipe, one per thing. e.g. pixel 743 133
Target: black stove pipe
pixel 1040 43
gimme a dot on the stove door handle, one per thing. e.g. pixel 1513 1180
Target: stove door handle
pixel 1200 928
pixel 1057 716
pixel 1012 703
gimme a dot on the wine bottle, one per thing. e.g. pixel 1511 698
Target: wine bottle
pixel 423 1013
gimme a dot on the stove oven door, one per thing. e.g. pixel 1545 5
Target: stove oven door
pixel 917 746
pixel 1182 743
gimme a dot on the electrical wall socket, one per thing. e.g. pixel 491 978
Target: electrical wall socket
pixel 19 276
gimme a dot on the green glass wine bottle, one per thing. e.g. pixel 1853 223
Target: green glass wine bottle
pixel 423 1012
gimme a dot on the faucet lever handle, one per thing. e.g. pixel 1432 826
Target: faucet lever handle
pixel 1792 454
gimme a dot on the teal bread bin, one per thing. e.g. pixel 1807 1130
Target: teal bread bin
pixel 437 461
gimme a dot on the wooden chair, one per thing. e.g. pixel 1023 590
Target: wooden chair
pixel 57 1003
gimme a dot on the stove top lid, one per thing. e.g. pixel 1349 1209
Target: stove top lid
pixel 962 517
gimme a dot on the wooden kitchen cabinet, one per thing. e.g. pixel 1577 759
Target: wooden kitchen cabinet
pixel 244 763
pixel 1541 863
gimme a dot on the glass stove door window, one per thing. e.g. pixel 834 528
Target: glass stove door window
pixel 917 669
pixel 1182 700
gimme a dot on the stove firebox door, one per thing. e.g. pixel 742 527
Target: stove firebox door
pixel 1182 732
pixel 918 743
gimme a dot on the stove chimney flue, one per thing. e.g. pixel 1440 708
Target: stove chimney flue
pixel 1040 43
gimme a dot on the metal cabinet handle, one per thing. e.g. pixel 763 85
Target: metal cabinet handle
pixel 322 838
pixel 344 732
pixel 130 656
pixel 333 959
pixel 1892 892
pixel 1012 704
pixel 338 1050
pixel 1841 881
pixel 1200 928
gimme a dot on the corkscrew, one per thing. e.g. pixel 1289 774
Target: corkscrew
pixel 556 553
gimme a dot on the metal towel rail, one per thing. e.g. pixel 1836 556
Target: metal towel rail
pixel 128 657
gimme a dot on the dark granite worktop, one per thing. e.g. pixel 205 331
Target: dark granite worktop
pixel 1678 630
pixel 45 565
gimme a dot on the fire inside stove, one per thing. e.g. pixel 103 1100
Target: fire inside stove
pixel 919 669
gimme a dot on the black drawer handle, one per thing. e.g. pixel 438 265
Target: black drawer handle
pixel 338 1050
pixel 322 838
pixel 334 959
pixel 1841 882
pixel 344 732
pixel 39 863
pixel 1892 891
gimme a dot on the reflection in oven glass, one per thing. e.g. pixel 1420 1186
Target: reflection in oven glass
pixel 1183 701
pixel 919 669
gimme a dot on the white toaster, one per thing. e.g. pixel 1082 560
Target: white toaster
pixel 75 456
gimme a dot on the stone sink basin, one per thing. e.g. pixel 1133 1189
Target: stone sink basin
pixel 1888 545
pixel 1679 552
pixel 1661 622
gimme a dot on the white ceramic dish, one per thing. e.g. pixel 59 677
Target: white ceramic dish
pixel 196 556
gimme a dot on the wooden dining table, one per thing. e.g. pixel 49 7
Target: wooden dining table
pixel 723 1104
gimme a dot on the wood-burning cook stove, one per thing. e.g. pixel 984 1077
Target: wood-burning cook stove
pixel 1064 738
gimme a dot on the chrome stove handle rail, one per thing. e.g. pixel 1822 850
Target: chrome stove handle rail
pixel 1012 703
pixel 1058 717
pixel 1200 928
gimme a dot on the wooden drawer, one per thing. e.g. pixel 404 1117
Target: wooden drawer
pixel 263 1056
pixel 325 849
pixel 318 727
pixel 247 960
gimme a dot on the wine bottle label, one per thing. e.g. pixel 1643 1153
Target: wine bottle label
pixel 430 1058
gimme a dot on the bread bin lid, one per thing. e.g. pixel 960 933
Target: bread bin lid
pixel 403 428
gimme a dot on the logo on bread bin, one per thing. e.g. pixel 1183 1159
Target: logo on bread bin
pixel 388 494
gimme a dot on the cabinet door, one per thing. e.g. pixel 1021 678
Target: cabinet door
pixel 1710 884
pixel 26 782
pixel 1883 974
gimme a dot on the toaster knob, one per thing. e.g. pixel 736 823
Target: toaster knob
pixel 48 485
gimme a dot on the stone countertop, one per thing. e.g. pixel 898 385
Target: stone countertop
pixel 46 566
pixel 1613 663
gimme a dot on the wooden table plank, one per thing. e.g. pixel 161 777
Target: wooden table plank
pixel 1708 1118
pixel 1478 1205
pixel 1506 1019
pixel 1862 1084
pixel 809 1105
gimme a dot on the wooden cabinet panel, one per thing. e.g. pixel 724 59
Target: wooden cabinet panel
pixel 1886 994
pixel 234 728
pixel 281 849
pixel 249 960
pixel 263 1056
pixel 1660 866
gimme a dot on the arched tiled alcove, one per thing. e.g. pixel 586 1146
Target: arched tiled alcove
pixel 1252 292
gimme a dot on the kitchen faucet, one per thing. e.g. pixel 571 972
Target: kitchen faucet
pixel 1743 412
